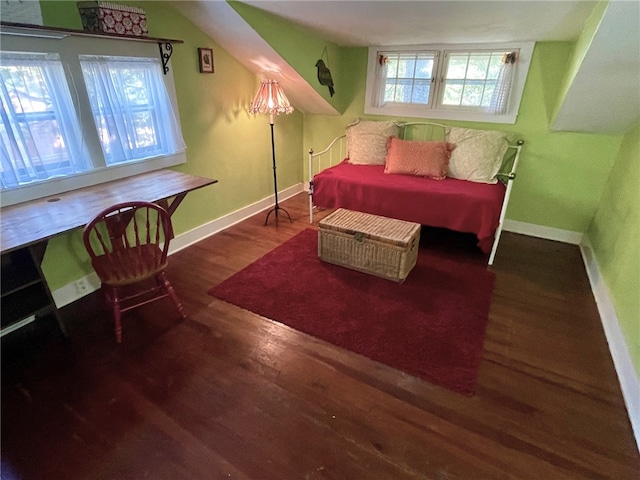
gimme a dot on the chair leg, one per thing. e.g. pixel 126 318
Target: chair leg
pixel 117 314
pixel 172 294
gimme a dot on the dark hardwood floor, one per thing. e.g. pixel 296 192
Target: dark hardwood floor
pixel 226 394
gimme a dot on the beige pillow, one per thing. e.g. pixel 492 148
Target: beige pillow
pixel 478 154
pixel 367 141
pixel 423 159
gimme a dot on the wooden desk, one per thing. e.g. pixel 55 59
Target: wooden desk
pixel 25 229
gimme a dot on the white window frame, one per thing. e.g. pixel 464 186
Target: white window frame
pixel 69 49
pixel 436 110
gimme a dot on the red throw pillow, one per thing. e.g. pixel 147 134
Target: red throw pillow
pixel 424 159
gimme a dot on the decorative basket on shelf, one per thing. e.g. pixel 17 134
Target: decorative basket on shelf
pixel 107 17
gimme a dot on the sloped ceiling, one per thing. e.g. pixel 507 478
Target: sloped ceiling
pixel 368 22
pixel 604 96
pixel 222 23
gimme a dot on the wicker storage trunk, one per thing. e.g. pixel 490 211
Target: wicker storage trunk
pixel 381 246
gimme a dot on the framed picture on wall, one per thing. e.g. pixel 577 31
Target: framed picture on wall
pixel 205 56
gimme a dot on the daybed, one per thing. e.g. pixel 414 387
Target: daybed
pixel 421 186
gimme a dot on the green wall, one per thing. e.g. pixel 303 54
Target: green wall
pixel 300 49
pixel 223 140
pixel 561 174
pixel 615 237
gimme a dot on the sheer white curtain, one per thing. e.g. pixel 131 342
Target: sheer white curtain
pixel 41 136
pixel 380 81
pixel 131 108
pixel 500 98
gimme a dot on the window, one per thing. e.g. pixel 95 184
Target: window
pixel 408 77
pixel 470 78
pixel 39 128
pixel 466 82
pixel 74 114
pixel 130 107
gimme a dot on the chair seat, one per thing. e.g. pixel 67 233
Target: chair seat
pixel 123 267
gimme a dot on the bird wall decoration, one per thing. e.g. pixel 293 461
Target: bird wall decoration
pixel 324 76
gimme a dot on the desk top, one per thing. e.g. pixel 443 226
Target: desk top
pixel 30 222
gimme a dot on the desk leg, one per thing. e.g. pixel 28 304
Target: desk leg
pixel 175 202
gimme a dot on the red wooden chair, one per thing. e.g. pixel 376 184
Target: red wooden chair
pixel 128 245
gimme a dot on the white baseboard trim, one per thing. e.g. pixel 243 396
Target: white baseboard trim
pixel 540 231
pixel 627 376
pixel 211 228
pixel 70 293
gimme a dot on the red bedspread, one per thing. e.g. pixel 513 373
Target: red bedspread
pixel 459 205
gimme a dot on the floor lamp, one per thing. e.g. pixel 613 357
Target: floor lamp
pixel 271 100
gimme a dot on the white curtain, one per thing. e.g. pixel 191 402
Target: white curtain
pixel 380 81
pixel 500 98
pixel 131 108
pixel 41 137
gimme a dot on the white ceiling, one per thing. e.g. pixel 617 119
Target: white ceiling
pixel 400 22
pixel 376 22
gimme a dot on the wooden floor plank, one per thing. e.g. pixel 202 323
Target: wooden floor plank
pixel 229 394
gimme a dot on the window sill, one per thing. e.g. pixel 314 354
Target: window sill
pixel 56 186
pixel 434 114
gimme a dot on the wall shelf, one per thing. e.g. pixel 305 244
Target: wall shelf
pixel 28 30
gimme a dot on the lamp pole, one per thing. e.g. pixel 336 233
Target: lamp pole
pixel 277 207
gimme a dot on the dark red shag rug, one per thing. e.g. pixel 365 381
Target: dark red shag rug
pixel 432 326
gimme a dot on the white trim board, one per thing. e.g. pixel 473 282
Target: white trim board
pixel 211 228
pixel 627 376
pixel 540 231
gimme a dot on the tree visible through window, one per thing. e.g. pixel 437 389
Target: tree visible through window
pixel 409 77
pixel 470 78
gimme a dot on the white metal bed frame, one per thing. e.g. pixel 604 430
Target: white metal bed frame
pixel 336 151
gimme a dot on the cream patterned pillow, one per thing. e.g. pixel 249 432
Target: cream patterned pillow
pixel 478 154
pixel 367 141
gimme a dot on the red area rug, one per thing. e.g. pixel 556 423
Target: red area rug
pixel 432 326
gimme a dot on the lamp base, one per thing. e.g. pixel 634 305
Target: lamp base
pixel 275 210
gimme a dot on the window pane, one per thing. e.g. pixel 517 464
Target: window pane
pixel 403 91
pixel 424 67
pixel 472 94
pixel 421 91
pixel 457 68
pixel 478 66
pixel 452 93
pixel 406 66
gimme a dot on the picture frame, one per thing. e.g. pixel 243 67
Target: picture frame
pixel 205 60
